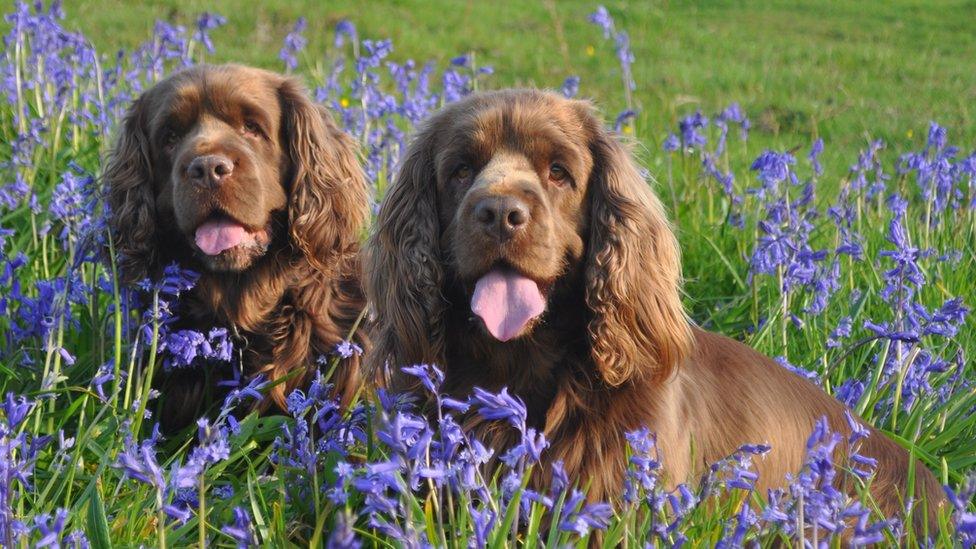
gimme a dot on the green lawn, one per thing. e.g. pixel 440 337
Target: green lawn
pixel 841 70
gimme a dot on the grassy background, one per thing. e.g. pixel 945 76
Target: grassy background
pixel 840 70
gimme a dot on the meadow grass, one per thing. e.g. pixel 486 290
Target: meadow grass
pixel 843 71
pixel 76 346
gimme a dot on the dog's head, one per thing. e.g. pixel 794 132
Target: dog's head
pixel 506 194
pixel 218 166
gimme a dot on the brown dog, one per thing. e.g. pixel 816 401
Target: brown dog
pixel 235 173
pixel 521 247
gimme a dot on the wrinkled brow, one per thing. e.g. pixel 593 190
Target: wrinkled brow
pixel 539 139
pixel 238 103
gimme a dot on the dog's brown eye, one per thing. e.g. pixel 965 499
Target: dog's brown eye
pixel 462 173
pixel 252 127
pixel 558 174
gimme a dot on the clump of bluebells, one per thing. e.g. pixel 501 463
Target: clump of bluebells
pixel 868 272
pixel 427 461
pixel 19 453
pixel 806 249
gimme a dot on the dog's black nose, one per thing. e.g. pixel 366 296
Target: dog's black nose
pixel 501 215
pixel 210 169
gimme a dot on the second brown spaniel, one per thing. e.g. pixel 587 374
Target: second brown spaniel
pixel 233 172
pixel 521 247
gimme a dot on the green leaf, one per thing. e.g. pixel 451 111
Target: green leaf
pixel 98 532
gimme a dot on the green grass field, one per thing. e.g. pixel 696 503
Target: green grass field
pixel 844 71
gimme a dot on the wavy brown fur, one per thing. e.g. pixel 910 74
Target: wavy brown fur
pixel 614 351
pixel 298 179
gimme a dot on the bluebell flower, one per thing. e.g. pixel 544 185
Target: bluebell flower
pixel 213 445
pixel 347 349
pixel 964 518
pixel 570 87
pixel 623 119
pixel 345 30
pixel 343 536
pixel 601 17
pixel 294 43
pixel 205 23
pixel 735 115
pixel 849 392
pixel 774 168
pixel 560 481
pixel 944 321
pixel 429 375
pixel 671 143
pixel 814 156
pixel 500 406
pixel 15 409
pixel 138 461
pixel 241 530
pixel 50 529
pixel 174 282
pixel 690 127
pixel 744 520
pixel 238 395
pixel 843 330
pixel 581 517
pixel 802 372
pixel 483 520
pixel 937 137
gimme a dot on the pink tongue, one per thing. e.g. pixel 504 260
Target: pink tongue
pixel 506 301
pixel 213 237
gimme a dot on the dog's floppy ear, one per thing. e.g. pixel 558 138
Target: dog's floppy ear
pixel 328 200
pixel 633 272
pixel 128 181
pixel 403 265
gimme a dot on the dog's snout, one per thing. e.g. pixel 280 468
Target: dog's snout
pixel 210 169
pixel 501 215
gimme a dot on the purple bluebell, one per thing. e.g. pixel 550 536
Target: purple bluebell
pixel 240 530
pixel 345 30
pixel 623 119
pixel 690 129
pixel 293 44
pixel 582 517
pixel 347 349
pixel 671 143
pixel 343 536
pixel 570 87
pixel 500 406
pixel 205 23
pixel 814 156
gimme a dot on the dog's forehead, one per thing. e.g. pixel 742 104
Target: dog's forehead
pixel 178 97
pixel 224 91
pixel 535 125
pixel 243 86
